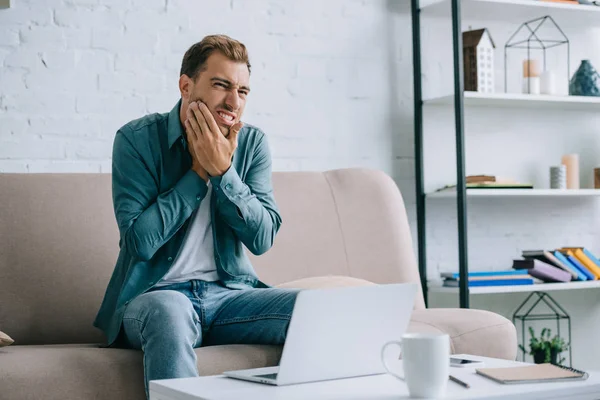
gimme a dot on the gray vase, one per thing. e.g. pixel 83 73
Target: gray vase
pixel 585 81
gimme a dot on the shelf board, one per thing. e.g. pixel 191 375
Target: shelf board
pixel 541 287
pixel 516 11
pixel 451 193
pixel 517 100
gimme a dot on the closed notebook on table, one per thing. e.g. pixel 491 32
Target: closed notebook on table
pixel 538 373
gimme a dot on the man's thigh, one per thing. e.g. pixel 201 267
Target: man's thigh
pixel 159 313
pixel 254 316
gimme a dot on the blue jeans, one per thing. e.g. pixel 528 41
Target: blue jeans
pixel 168 322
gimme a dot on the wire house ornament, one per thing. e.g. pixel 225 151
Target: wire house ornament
pixel 534 42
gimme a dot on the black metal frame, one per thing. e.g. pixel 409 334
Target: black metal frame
pixel 558 314
pixel 460 153
pixel 543 44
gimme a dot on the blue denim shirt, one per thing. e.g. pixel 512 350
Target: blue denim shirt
pixel 154 194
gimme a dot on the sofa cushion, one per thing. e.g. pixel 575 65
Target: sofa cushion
pixel 69 372
pixel 320 282
pixel 471 331
pixel 5 340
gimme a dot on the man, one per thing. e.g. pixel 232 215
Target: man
pixel 191 188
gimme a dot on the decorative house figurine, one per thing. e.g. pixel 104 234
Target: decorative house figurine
pixel 478 53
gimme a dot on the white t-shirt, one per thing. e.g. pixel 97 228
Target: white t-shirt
pixel 196 258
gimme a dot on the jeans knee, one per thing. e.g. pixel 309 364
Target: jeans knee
pixel 169 310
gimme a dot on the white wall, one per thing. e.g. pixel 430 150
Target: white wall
pixel 73 71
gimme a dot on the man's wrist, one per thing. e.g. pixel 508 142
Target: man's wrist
pixel 201 172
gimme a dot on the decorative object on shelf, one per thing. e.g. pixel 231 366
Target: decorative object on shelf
pixel 596 178
pixel 571 161
pixel 531 77
pixel 557 314
pixel 489 182
pixel 528 37
pixel 545 349
pixel 585 81
pixel 478 61
pixel 548 83
pixel 558 177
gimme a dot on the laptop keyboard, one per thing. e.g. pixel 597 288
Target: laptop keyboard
pixel 268 376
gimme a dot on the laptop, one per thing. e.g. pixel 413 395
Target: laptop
pixel 338 333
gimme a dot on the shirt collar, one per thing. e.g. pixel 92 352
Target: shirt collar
pixel 175 130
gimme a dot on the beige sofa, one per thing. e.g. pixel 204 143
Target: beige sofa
pixel 59 243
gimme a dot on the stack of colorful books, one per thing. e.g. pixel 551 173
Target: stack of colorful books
pixel 491 278
pixel 560 265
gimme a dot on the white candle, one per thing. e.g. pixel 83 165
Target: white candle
pixel 548 83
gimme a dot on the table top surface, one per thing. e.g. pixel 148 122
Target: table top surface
pixel 375 387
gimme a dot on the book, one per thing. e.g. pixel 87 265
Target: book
pixel 490 282
pixel 548 257
pixel 499 185
pixel 480 178
pixel 573 260
pixel 580 275
pixel 569 264
pixel 541 270
pixel 538 373
pixel 456 275
pixel 585 259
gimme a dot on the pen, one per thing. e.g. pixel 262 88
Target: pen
pixel 455 379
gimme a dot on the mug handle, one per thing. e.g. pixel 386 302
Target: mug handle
pixel 387 368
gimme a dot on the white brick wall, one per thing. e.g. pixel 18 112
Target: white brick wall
pixel 73 71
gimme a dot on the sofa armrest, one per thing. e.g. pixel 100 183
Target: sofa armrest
pixel 476 332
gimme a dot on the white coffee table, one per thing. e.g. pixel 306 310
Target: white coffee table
pixel 377 387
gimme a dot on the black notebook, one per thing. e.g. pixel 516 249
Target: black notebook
pixel 537 373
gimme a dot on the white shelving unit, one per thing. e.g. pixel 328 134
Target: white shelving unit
pixel 541 287
pixel 515 11
pixel 451 193
pixel 517 100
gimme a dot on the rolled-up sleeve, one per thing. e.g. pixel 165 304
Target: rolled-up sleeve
pixel 249 206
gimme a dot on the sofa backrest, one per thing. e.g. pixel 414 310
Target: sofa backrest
pixel 59 243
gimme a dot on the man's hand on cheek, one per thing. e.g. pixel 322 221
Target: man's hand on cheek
pixel 213 151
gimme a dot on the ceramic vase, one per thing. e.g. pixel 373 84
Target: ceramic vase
pixel 585 81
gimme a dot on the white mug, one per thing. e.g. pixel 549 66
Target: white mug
pixel 425 358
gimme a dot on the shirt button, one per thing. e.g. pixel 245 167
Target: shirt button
pixel 170 258
pixel 150 283
pixel 198 198
pixel 228 186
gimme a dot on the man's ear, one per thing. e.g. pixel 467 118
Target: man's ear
pixel 185 86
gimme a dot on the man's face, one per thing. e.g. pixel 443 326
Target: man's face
pixel 223 86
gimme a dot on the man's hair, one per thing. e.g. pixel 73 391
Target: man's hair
pixel 195 58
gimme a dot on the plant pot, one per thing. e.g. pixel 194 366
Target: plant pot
pixel 554 357
pixel 540 357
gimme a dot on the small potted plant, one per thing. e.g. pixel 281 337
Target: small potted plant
pixel 545 349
